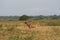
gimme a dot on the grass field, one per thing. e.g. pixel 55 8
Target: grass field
pixel 18 30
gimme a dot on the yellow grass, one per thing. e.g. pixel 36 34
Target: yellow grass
pixel 17 30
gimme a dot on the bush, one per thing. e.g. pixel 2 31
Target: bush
pixel 24 17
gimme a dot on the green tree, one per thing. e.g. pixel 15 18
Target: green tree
pixel 24 17
pixel 55 17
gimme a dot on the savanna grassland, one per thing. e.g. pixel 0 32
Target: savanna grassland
pixel 18 30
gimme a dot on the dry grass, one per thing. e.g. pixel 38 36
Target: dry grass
pixel 17 30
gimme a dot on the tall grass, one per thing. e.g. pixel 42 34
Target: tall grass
pixel 19 31
pixel 50 22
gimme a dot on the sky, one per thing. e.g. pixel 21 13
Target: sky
pixel 29 7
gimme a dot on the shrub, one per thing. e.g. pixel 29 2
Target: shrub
pixel 24 17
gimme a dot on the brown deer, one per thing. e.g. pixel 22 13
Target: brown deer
pixel 29 24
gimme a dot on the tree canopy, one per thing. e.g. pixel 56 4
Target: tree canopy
pixel 24 17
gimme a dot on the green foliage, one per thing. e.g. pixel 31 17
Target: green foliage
pixel 24 17
pixel 49 22
pixel 53 24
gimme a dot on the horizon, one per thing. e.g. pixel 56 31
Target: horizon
pixel 29 15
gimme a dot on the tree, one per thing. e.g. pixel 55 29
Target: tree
pixel 55 17
pixel 24 17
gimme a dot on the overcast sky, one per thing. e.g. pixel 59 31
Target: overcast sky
pixel 29 7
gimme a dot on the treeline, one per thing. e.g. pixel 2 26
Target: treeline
pixel 48 17
pixel 26 17
pixel 9 18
